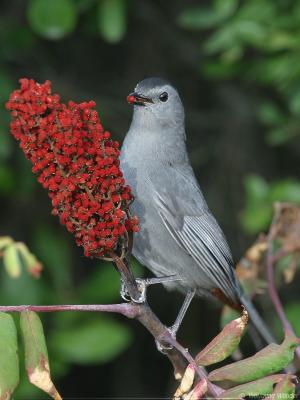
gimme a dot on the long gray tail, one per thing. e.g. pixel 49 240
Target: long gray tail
pixel 257 321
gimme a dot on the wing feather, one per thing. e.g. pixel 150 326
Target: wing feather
pixel 201 237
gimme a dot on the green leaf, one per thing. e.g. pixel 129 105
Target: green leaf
pixel 262 386
pixel 271 359
pixel 281 135
pixel 9 361
pixel 95 341
pixel 224 344
pixel 281 40
pixel 232 55
pixel 278 71
pixel 204 17
pixel 225 8
pixel 259 199
pixel 259 10
pixel 220 70
pixel 52 19
pixel 112 20
pixel 256 188
pixel 270 114
pixel 33 266
pixel 198 18
pixel 36 354
pixel 257 218
pixel 5 241
pixel 258 211
pixel 250 31
pixel 287 190
pixel 12 261
pixel 222 39
pixel 294 102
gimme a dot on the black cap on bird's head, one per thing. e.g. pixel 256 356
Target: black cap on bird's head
pixel 156 103
pixel 147 90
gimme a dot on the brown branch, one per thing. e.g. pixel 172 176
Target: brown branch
pixel 139 309
pixel 127 309
pixel 178 355
pixel 142 312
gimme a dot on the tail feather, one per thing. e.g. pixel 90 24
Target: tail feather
pixel 257 321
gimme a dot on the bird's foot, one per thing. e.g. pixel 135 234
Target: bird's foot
pixel 126 296
pixel 143 285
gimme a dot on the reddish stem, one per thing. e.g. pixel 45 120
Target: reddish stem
pixel 130 310
pixel 160 332
pixel 126 309
pixel 214 390
pixel 274 294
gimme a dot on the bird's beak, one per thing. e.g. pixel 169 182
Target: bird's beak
pixel 137 99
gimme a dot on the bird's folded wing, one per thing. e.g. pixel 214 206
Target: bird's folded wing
pixel 201 237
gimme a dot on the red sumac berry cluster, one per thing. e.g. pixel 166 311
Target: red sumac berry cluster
pixel 75 159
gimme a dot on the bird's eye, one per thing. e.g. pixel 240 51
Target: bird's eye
pixel 163 97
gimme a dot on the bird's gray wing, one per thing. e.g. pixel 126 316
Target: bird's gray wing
pixel 199 234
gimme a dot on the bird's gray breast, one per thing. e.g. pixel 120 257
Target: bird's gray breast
pixel 153 236
pixel 154 247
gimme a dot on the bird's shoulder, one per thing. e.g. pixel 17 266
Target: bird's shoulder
pixel 176 185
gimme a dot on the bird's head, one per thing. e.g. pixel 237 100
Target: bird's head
pixel 156 104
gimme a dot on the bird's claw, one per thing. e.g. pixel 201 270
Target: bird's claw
pixel 124 292
pixel 142 287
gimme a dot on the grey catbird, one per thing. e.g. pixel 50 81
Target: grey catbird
pixel 178 233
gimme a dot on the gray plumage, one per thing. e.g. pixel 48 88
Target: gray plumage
pixel 179 235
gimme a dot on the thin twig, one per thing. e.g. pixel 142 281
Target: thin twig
pixel 144 314
pixel 214 390
pixel 127 309
pixel 273 291
pixel 139 309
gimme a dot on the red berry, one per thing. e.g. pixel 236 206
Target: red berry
pixel 76 161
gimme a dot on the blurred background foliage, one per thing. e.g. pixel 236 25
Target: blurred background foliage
pixel 237 67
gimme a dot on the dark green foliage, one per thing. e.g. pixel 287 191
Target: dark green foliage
pixel 236 64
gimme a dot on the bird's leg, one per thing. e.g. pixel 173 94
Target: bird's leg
pixel 174 328
pixel 143 285
pixel 187 301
